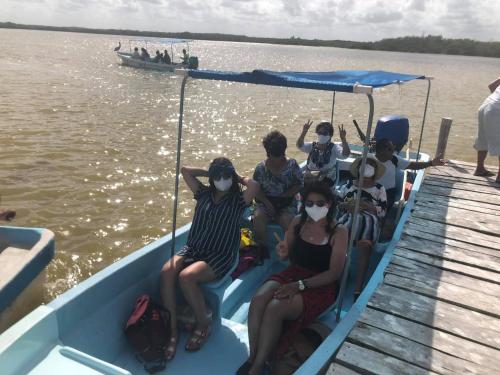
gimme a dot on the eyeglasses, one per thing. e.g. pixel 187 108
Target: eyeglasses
pixel 317 203
pixel 322 133
pixel 224 175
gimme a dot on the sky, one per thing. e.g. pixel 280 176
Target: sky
pixel 360 20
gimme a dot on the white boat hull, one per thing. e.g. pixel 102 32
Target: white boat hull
pixel 128 60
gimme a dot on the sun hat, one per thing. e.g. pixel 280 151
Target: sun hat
pixel 379 167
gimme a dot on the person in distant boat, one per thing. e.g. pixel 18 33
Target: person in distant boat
pixel 323 154
pixel 166 57
pixel 384 152
pixel 280 180
pixel 136 54
pixel 212 245
pixel 145 55
pixel 488 131
pixel 185 57
pixel 157 58
pixel 316 246
pixel 373 206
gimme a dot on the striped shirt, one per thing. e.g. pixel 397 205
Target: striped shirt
pixel 215 232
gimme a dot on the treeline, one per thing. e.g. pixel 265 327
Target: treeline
pixel 423 44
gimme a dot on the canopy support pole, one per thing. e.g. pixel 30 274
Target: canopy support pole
pixel 423 119
pixel 333 108
pixel 177 164
pixel 356 209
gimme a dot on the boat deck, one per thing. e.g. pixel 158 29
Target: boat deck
pixel 438 308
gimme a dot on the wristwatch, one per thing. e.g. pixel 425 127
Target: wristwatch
pixel 302 285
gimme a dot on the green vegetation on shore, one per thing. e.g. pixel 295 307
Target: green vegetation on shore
pixel 423 44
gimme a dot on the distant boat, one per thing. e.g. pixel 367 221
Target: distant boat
pixel 128 58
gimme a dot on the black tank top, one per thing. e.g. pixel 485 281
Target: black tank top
pixel 313 257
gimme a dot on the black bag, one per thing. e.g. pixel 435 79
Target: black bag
pixel 148 331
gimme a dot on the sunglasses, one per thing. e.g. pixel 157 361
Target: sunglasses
pixel 323 133
pixel 317 203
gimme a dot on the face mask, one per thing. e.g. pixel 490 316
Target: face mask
pixel 322 139
pixel 317 213
pixel 369 171
pixel 223 184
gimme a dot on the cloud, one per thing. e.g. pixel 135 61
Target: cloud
pixel 321 19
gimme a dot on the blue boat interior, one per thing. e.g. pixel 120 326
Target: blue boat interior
pixel 82 330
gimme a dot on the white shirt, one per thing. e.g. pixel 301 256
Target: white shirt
pixel 328 169
pixel 388 180
pixel 494 98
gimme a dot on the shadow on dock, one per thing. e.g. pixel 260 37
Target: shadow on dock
pixel 438 308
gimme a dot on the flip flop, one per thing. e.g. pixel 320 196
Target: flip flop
pixel 198 339
pixel 171 349
pixel 484 174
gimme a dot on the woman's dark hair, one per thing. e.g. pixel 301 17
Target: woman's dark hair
pixel 275 144
pixel 325 125
pixel 224 163
pixel 321 188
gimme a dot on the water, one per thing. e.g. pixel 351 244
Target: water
pixel 88 146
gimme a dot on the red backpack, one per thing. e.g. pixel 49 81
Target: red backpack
pixel 148 331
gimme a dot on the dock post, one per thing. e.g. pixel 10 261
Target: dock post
pixel 444 132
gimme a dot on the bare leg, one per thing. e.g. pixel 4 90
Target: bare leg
pixel 256 311
pixel 277 311
pixel 480 168
pixel 260 220
pixel 189 280
pixel 285 220
pixel 364 248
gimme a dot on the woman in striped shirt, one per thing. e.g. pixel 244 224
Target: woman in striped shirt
pixel 212 245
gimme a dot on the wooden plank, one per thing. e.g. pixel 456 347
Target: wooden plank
pixel 452 253
pixel 450 179
pixel 414 271
pixel 464 175
pixel 412 352
pixel 487 224
pixel 492 189
pixel 456 233
pixel 471 325
pixel 442 341
pixel 337 369
pixel 370 362
pixel 456 202
pixel 454 294
pixel 415 231
pixel 474 272
pixel 462 194
pixel 467 164
pixel 450 207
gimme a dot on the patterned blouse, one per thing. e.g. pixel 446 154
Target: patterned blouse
pixel 274 186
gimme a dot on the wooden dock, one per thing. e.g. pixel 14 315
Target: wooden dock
pixel 438 308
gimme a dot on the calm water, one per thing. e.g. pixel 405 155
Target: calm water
pixel 88 146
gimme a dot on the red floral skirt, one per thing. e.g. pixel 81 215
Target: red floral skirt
pixel 315 301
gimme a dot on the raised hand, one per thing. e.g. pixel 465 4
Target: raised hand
pixel 281 247
pixel 342 132
pixel 437 161
pixel 307 125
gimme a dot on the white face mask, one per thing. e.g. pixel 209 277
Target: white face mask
pixel 317 213
pixel 223 184
pixel 369 171
pixel 323 139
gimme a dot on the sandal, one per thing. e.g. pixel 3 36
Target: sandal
pixel 171 348
pixel 484 173
pixel 198 338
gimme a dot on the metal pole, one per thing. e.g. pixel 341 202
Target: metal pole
pixel 333 108
pixel 356 208
pixel 177 164
pixel 423 119
pixel 172 53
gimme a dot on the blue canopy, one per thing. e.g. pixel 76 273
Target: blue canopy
pixel 340 80
pixel 162 40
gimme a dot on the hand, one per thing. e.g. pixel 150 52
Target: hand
pixel 342 133
pixel 287 291
pixel 437 161
pixel 307 125
pixel 281 248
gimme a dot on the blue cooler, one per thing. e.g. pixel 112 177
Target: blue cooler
pixel 396 128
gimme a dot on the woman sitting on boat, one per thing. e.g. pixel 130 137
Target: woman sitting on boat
pixel 290 300
pixel 323 154
pixel 212 245
pixel 280 180
pixel 373 206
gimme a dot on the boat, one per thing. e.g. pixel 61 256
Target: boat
pixel 24 254
pixel 81 331
pixel 128 59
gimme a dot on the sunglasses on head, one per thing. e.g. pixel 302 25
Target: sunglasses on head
pixel 309 203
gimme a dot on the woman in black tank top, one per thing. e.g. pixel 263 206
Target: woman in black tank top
pixel 316 247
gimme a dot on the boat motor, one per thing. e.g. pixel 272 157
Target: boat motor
pixel 395 128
